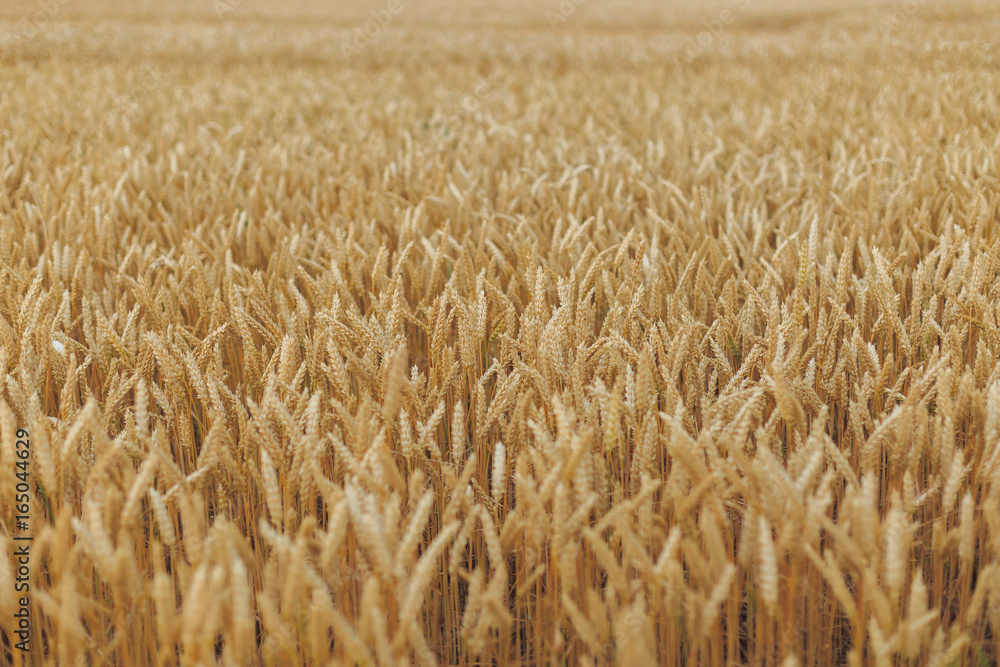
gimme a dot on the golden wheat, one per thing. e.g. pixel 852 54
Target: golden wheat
pixel 548 344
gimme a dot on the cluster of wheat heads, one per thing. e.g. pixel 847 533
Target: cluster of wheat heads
pixel 635 363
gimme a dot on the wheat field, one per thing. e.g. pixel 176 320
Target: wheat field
pixel 499 333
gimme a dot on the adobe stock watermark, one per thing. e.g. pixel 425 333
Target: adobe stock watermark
pixel 457 111
pixel 562 14
pixel 223 7
pixel 362 36
pixel 901 11
pixel 623 631
pixel 701 42
pixel 22 537
pixel 127 104
pixel 28 26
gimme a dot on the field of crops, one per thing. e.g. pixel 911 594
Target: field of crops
pixel 510 333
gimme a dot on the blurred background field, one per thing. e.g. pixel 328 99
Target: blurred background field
pixel 506 333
